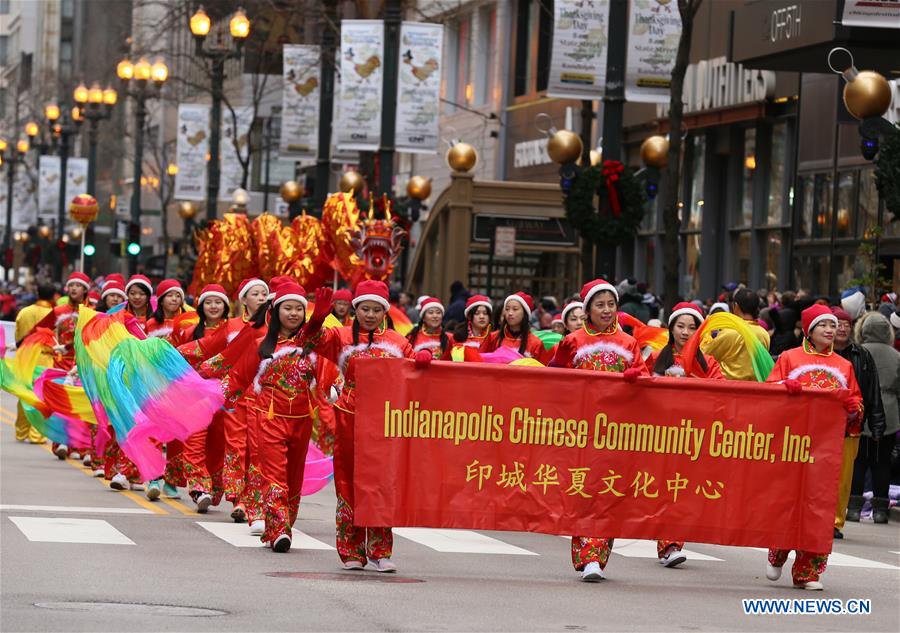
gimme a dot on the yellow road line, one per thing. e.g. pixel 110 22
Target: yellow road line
pixel 146 503
pixel 172 503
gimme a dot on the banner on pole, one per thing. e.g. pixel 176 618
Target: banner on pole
pixel 362 52
pixel 883 14
pixel 580 44
pixel 231 169
pixel 24 207
pixel 419 87
pixel 300 100
pixel 577 452
pixel 191 148
pixel 654 29
pixel 48 186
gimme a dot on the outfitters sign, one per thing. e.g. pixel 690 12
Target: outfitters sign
pixel 577 452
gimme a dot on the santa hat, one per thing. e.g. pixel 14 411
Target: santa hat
pixel 719 306
pixel 169 285
pixel 79 278
pixel 276 281
pixel 889 297
pixel 431 302
pixel 524 299
pixel 593 287
pixel 372 290
pixel 290 291
pixel 114 277
pixel 478 300
pixel 212 290
pixel 245 286
pixel 841 314
pixel 113 288
pixel 685 308
pixel 569 307
pixel 420 300
pixel 342 295
pixel 139 280
pixel 895 319
pixel 94 297
pixel 557 318
pixel 853 300
pixel 814 314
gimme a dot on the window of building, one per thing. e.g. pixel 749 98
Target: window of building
pixel 484 55
pixel 748 169
pixel 774 248
pixel 777 167
pixel 698 167
pixel 810 273
pixel 4 49
pixel 525 21
pixel 67 8
pixel 534 36
pixel 741 263
pixel 846 203
pixel 464 89
pixel 868 202
pixel 807 186
pixel 692 260
pixel 821 224
pixel 545 42
pixel 4 7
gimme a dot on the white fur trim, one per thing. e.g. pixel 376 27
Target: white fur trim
pixel 822 317
pixel 160 332
pixel 474 344
pixel 255 282
pixel 139 282
pixel 79 281
pixel 429 345
pixel 720 304
pixel 281 353
pixel 602 346
pixel 486 304
pixel 113 291
pixel 283 298
pixel 568 308
pixel 68 316
pixel 349 350
pixel 600 288
pixel 521 303
pixel 828 369
pixel 233 335
pixel 435 306
pixel 206 295
pixel 683 311
pixel 380 300
pixel 179 290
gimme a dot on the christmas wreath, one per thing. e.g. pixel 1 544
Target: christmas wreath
pixel 621 203
pixel 887 172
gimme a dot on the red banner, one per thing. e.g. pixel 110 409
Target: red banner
pixel 496 447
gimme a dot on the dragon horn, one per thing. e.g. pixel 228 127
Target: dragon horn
pixel 371 206
pixel 387 206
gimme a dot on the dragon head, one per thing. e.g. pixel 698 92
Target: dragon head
pixel 378 242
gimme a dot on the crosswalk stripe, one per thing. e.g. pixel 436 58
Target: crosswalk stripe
pixel 53 530
pixel 78 509
pixel 459 541
pixel 647 549
pixel 238 534
pixel 836 559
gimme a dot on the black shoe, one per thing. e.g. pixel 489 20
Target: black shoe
pixel 282 544
pixel 854 508
pixel 880 510
pixel 838 534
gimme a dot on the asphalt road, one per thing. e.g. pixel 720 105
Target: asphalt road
pixel 160 566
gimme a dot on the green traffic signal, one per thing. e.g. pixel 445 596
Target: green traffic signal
pixel 89 250
pixel 134 249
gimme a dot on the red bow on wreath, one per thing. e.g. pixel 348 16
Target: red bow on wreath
pixel 612 170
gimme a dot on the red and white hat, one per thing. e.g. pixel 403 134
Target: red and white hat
pixel 815 314
pixel 169 285
pixel 683 308
pixel 593 287
pixel 94 297
pixel 212 290
pixel 372 290
pixel 79 278
pixel 113 288
pixel 524 299
pixel 113 277
pixel 290 291
pixel 431 302
pixel 569 307
pixel 342 295
pixel 478 300
pixel 276 281
pixel 139 280
pixel 247 284
pixel 557 318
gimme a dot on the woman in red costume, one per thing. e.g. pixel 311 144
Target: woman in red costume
pixel 573 316
pixel 341 306
pixel 429 332
pixel 515 330
pixel 113 294
pixel 138 291
pixel 479 310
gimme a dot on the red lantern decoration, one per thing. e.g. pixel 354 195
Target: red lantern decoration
pixel 84 209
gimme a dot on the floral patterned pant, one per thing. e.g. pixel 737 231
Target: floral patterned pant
pixel 174 474
pixel 234 476
pixel 808 566
pixel 115 462
pixel 589 549
pixel 204 454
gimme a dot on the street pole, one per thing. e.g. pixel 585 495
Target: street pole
pixel 326 106
pixel 7 237
pixel 268 157
pixel 392 16
pixel 139 116
pixel 61 216
pixel 92 161
pixel 215 129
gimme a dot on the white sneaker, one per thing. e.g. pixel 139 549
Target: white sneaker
pixel 812 585
pixel 203 503
pixel 119 482
pixel 258 527
pixel 86 460
pixel 773 572
pixel 673 558
pixel 353 565
pixel 384 565
pixel 99 473
pixel 62 451
pixel 75 455
pixel 592 572
pixel 138 487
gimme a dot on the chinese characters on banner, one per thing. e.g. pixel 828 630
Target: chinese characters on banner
pixel 654 29
pixel 48 183
pixel 191 149
pixel 231 169
pixel 24 208
pixel 576 452
pixel 578 60
pixel 419 87
pixel 883 14
pixel 362 50
pixel 300 101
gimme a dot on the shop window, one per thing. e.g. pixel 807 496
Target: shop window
pixel 483 55
pixel 748 169
pixel 811 273
pixel 774 248
pixel 846 269
pixel 691 283
pixel 807 186
pixel 741 263
pixel 846 204
pixel 545 42
pixel 821 224
pixel 698 166
pixel 868 202
pixel 777 166
pixel 534 25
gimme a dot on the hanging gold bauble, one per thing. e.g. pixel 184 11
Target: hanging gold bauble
pixel 655 152
pixel 462 157
pixel 291 191
pixel 564 147
pixel 418 187
pixel 187 210
pixel 352 181
pixel 868 95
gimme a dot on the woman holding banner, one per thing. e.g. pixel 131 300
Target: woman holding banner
pixel 429 333
pixel 600 345
pixel 815 365
pixel 478 320
pixel 515 330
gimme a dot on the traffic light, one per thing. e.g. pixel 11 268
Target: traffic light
pixel 89 236
pixel 134 239
pixel 89 250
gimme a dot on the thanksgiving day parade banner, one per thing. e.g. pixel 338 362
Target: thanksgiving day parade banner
pixel 496 447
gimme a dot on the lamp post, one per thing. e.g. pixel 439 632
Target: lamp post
pixel 142 81
pixel 239 26
pixel 10 156
pixel 96 105
pixel 65 123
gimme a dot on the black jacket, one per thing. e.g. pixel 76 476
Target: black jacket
pixel 867 377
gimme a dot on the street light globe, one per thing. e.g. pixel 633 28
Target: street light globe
pixel 125 70
pixel 44 231
pixel 81 94
pixel 77 114
pixel 95 94
pixel 22 146
pixel 3 144
pixel 159 71
pixel 110 96
pixel 142 70
pixel 51 111
pixel 239 25
pixel 31 129
pixel 241 197
pixel 172 169
pixel 200 23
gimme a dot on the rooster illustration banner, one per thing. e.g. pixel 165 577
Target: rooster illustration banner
pixel 578 61
pixel 191 147
pixel 362 54
pixel 300 100
pixel 235 139
pixel 578 452
pixel 419 87
pixel 49 173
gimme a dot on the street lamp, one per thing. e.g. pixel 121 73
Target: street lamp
pixel 141 80
pixel 95 105
pixel 200 25
pixel 64 123
pixel 10 157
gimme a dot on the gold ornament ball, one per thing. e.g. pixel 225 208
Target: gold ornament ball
pixel 352 181
pixel 868 95
pixel 291 191
pixel 564 147
pixel 84 208
pixel 655 152
pixel 187 210
pixel 462 157
pixel 418 187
